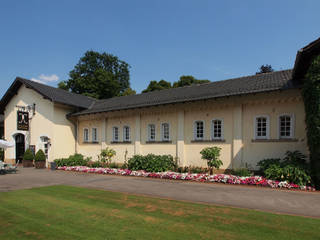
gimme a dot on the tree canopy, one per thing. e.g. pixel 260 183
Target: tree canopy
pixel 155 86
pixel 265 69
pixel 98 75
pixel 185 80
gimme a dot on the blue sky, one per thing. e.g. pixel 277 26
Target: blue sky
pixel 164 39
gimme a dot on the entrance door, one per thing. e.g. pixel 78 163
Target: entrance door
pixel 20 146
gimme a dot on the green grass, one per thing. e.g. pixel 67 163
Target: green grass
pixel 63 212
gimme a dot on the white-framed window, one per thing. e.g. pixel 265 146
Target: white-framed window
pixel 94 135
pixel 165 131
pixel 198 130
pixel 286 126
pixel 261 127
pixel 151 132
pixel 217 129
pixel 86 135
pixel 115 134
pixel 126 133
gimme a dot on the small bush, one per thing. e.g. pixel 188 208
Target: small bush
pixel 293 168
pixel 211 155
pixel 241 172
pixel 106 155
pixel 73 160
pixel 95 164
pixel 40 156
pixel 266 163
pixel 152 163
pixel 28 155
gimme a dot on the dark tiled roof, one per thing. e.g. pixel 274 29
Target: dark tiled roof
pixel 53 94
pixel 279 80
pixel 304 58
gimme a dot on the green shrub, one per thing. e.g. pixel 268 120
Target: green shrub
pixel 293 168
pixel 106 155
pixel 152 163
pixel 95 164
pixel 211 155
pixel 114 165
pixel 242 172
pixel 40 156
pixel 28 155
pixel 266 163
pixel 73 160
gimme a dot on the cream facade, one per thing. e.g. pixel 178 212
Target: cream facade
pixel 238 142
pixel 250 118
pixel 49 129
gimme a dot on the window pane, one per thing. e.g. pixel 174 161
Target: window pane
pixel 151 132
pixel 199 130
pixel 165 131
pixel 285 126
pixel 261 127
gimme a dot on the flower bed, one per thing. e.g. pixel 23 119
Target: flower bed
pixel 218 178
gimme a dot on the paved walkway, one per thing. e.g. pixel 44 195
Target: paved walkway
pixel 265 199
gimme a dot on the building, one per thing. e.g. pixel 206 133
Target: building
pixel 250 118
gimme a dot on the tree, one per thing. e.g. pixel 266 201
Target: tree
pixel 155 86
pixel 265 69
pixel 63 85
pixel 311 98
pixel 187 81
pixel 98 75
pixel 128 91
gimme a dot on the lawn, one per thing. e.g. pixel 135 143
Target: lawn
pixel 63 212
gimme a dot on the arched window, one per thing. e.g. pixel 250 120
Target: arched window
pixel 94 135
pixel 217 129
pixel 262 127
pixel 198 130
pixel 86 135
pixel 126 133
pixel 115 134
pixel 151 132
pixel 165 130
pixel 286 126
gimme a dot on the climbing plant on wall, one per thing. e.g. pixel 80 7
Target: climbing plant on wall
pixel 311 97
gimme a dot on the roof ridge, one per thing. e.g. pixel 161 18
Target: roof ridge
pixel 55 88
pixel 197 85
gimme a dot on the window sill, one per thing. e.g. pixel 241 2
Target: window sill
pixel 157 142
pixel 90 142
pixel 209 141
pixel 275 140
pixel 123 142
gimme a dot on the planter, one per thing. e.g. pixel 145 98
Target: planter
pixel 27 163
pixel 40 164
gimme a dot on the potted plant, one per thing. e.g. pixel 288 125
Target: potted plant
pixel 40 159
pixel 28 157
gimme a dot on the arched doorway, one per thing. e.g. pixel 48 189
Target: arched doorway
pixel 20 146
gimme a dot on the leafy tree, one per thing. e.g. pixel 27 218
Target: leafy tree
pixel 212 156
pixel 311 98
pixel 265 69
pixel 98 75
pixel 128 91
pixel 187 81
pixel 155 86
pixel 63 85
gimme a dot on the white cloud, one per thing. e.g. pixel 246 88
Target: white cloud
pixel 46 78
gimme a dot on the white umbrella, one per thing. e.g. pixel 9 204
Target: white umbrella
pixel 5 144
